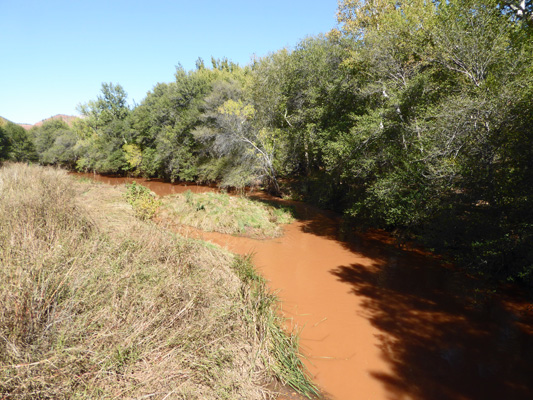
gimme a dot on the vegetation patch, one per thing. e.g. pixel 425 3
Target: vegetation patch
pixel 95 303
pixel 220 212
pixel 144 202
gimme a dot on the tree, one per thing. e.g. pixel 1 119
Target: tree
pixel 64 150
pixel 4 144
pixel 45 135
pixel 254 147
pixel 105 129
pixel 435 150
pixel 15 142
pixel 164 122
pixel 110 106
pixel 306 95
pixel 473 39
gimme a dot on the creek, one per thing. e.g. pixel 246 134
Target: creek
pixel 378 322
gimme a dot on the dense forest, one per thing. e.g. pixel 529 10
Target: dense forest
pixel 414 116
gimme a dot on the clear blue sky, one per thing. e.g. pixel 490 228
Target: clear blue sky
pixel 55 54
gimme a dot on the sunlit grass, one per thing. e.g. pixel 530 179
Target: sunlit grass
pixel 95 303
pixel 220 212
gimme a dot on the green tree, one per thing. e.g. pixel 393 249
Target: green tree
pixel 307 95
pixel 105 129
pixel 165 121
pixel 64 151
pixel 251 148
pixel 44 137
pixel 4 144
pixel 433 152
pixel 110 105
pixel 17 143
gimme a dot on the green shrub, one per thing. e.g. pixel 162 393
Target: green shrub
pixel 144 202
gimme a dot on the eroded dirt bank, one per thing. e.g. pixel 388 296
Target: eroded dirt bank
pixel 379 323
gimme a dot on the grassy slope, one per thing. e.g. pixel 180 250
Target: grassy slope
pixel 222 213
pixel 95 303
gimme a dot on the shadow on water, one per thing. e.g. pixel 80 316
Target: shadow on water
pixel 445 336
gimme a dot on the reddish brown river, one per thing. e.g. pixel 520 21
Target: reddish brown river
pixel 378 323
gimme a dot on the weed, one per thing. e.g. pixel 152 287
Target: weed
pixel 282 346
pixel 144 202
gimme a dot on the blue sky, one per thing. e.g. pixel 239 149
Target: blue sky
pixel 55 54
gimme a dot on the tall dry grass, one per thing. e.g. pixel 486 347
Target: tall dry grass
pixel 88 310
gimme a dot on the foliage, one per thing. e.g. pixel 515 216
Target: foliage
pixel 251 148
pixel 143 201
pixel 133 156
pixel 55 143
pixel 15 143
pixel 104 131
pixel 4 144
pixel 164 122
pixel 304 98
pixel 430 155
pixel 111 105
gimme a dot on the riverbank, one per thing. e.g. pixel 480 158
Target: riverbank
pixel 379 322
pixel 96 303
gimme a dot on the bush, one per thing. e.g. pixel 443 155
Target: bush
pixel 144 202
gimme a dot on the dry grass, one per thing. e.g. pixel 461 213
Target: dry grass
pixel 97 304
pixel 219 212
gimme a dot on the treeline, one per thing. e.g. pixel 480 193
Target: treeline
pixel 414 116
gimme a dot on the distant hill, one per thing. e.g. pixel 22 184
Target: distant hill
pixel 69 119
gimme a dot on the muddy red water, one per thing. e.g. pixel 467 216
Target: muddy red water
pixel 381 323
